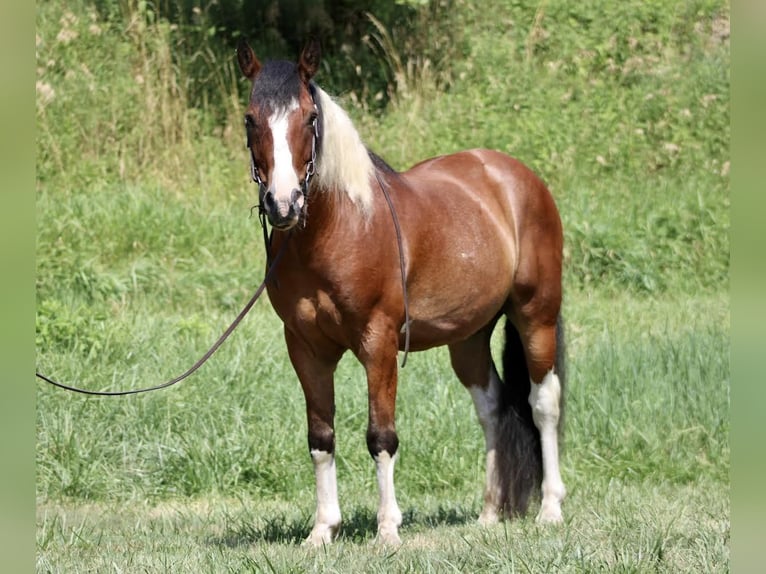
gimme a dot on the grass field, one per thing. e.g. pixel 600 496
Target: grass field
pixel 216 473
pixel 146 250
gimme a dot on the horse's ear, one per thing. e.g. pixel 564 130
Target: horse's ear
pixel 248 63
pixel 308 63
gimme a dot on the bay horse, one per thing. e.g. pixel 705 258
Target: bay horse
pixel 465 239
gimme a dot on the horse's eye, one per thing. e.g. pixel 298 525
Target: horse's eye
pixel 249 121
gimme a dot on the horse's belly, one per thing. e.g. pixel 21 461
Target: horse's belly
pixel 457 306
pixel 428 334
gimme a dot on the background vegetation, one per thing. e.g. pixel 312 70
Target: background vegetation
pixel 146 251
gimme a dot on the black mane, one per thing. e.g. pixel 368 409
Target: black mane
pixel 379 163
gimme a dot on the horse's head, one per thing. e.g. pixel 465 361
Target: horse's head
pixel 282 129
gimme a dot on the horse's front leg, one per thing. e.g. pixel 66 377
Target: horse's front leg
pixel 378 354
pixel 315 371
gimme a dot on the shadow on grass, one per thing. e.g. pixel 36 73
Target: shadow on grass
pixel 359 526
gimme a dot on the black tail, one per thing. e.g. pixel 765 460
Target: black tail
pixel 561 371
pixel 518 455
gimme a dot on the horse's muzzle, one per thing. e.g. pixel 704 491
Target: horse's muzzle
pixel 283 213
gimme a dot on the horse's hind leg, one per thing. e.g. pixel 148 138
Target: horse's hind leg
pixel 316 377
pixel 473 365
pixel 540 342
pixel 534 309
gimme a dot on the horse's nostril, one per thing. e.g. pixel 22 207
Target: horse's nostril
pixel 268 200
pixel 296 196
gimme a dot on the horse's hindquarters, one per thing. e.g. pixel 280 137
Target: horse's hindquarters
pixel 465 217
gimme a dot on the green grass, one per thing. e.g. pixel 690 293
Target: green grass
pixel 146 250
pixel 629 529
pixel 626 121
pixel 216 472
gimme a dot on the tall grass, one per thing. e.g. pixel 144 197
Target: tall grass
pixel 114 102
pixel 621 108
pixel 636 118
pixel 146 249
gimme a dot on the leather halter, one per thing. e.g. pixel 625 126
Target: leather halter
pixel 310 166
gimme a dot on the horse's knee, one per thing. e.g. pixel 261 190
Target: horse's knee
pixel 321 438
pixel 382 440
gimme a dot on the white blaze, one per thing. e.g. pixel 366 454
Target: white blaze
pixel 283 179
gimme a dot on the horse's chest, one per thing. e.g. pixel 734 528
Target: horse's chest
pixel 311 310
pixel 317 315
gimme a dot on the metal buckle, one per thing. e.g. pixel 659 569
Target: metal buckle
pixel 311 165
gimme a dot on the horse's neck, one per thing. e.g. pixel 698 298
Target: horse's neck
pixel 331 211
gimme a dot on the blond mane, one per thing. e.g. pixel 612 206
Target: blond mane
pixel 344 163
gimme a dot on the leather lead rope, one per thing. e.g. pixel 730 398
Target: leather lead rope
pixel 271 265
pixel 199 362
pixel 401 269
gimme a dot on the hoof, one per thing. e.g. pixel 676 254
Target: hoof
pixel 550 514
pixel 388 535
pixel 488 517
pixel 321 535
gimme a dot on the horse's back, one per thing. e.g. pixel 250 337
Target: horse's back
pixel 485 174
pixel 482 187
